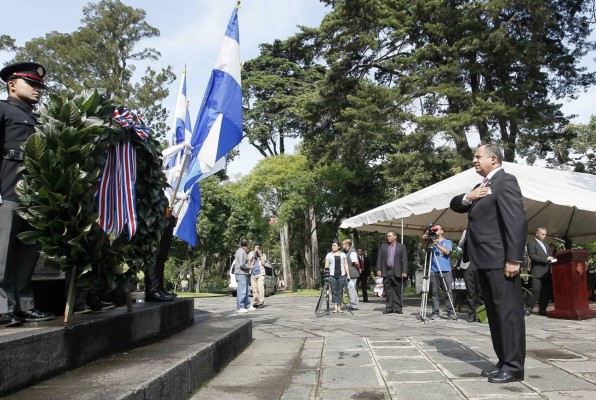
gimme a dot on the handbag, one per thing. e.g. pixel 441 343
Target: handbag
pixel 244 266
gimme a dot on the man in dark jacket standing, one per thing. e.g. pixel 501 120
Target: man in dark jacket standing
pixel 24 82
pixel 392 265
pixel 495 238
pixel 364 263
pixel 540 258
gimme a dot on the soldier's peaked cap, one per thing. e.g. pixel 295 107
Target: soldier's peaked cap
pixel 30 71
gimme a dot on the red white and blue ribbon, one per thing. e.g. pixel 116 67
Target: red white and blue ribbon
pixel 116 191
pixel 134 121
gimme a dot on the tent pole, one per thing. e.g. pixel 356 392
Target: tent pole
pixel 402 231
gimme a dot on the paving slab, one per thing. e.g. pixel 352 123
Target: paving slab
pixel 398 357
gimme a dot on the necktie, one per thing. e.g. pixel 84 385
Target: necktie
pixel 484 182
pixel 543 247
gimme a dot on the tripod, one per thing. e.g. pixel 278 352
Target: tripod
pixel 428 258
pixel 325 296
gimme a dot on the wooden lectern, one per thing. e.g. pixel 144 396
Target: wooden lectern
pixel 570 286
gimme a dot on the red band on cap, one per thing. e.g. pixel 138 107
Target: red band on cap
pixel 30 76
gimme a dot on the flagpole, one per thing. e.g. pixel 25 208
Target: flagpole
pixel 184 166
pixel 187 152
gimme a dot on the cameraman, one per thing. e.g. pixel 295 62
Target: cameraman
pixel 354 267
pixel 440 261
pixel 257 260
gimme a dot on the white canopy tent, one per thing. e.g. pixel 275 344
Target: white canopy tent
pixel 561 201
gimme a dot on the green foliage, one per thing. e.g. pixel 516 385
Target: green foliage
pixel 576 148
pixel 276 86
pixel 280 185
pixel 102 53
pixel 63 164
pixel 489 68
pixel 7 43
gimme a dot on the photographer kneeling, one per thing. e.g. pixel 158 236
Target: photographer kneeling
pixel 440 264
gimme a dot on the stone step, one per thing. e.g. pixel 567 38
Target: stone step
pixel 172 368
pixel 34 352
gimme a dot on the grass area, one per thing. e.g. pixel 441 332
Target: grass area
pixel 408 292
pixel 299 292
pixel 195 295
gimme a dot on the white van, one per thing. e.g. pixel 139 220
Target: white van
pixel 270 280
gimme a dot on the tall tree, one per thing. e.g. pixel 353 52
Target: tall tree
pixel 280 185
pixel 490 68
pixel 276 85
pixel 102 53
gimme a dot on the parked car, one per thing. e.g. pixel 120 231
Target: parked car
pixel 270 282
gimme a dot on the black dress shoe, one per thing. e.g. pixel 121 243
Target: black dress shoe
pixel 34 315
pixel 171 294
pixel 528 312
pixel 82 309
pixel 543 313
pixel 472 318
pixel 503 377
pixel 398 312
pixel 490 372
pixel 388 312
pixel 158 296
pixel 103 305
pixel 9 319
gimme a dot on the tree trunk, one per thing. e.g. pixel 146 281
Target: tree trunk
pixel 307 265
pixel 201 274
pixel 314 245
pixel 285 256
pixel 191 280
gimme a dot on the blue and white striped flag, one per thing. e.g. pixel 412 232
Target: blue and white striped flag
pixel 181 131
pixel 218 128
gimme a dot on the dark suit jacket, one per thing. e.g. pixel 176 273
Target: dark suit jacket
pixel 497 225
pixel 400 262
pixel 366 266
pixel 539 258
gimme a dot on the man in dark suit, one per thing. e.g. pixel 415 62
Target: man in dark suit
pixel 540 257
pixel 496 233
pixel 392 265
pixel 364 262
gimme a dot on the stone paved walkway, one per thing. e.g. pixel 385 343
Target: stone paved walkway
pixel 368 355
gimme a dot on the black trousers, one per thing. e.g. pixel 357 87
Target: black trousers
pixel 505 310
pixel 363 283
pixel 17 261
pixel 473 290
pixel 154 275
pixel 542 289
pixel 393 287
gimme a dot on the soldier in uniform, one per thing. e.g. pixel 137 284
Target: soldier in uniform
pixel 24 82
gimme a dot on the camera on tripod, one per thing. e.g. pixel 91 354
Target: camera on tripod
pixel 326 275
pixel 432 234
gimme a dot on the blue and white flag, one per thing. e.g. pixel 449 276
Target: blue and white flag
pixel 186 228
pixel 218 128
pixel 181 131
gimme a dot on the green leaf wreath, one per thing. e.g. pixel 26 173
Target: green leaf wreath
pixel 63 163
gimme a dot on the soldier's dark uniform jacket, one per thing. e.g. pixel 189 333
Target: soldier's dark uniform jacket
pixel 17 123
